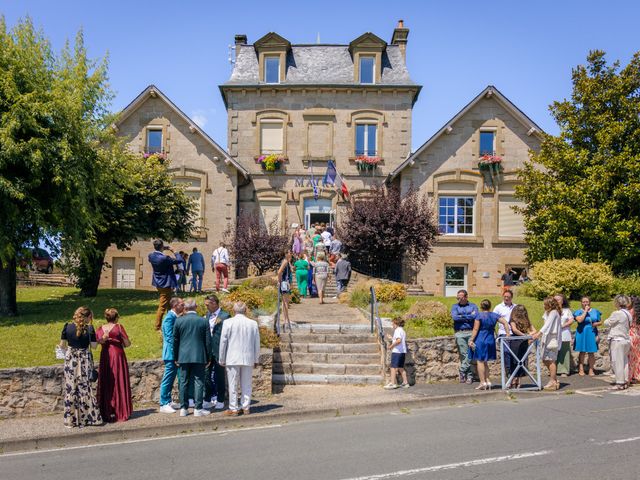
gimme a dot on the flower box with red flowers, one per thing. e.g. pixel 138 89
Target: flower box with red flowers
pixel 364 162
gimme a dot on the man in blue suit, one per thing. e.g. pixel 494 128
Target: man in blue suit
pixel 164 277
pixel 170 368
pixel 196 266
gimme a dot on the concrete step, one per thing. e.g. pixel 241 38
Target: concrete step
pixel 329 347
pixel 328 338
pixel 326 369
pixel 327 328
pixel 340 358
pixel 305 378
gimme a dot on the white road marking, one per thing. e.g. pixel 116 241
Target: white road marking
pixel 621 440
pixel 140 440
pixel 451 466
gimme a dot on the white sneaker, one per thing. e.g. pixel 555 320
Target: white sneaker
pixel 206 404
pixel 219 405
pixel 201 413
pixel 391 386
pixel 192 404
pixel 167 409
pixel 175 406
pixel 184 412
pixel 225 290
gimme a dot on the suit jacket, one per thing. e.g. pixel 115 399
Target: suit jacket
pixel 167 335
pixel 239 341
pixel 163 271
pixel 195 262
pixel 191 339
pixel 217 331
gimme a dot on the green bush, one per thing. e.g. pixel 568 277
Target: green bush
pixel 628 284
pixel 251 297
pixel 390 292
pixel 295 295
pixel 574 278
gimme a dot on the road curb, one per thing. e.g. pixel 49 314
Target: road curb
pixel 216 423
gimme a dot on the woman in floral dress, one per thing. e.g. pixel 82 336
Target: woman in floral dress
pixel 78 337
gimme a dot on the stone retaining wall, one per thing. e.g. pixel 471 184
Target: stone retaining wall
pixel 436 359
pixel 38 390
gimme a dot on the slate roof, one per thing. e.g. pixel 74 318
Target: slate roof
pixel 319 65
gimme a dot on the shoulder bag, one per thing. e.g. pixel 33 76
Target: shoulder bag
pixel 552 344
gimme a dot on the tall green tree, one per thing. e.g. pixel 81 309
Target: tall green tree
pixel 52 108
pixel 133 198
pixel 582 190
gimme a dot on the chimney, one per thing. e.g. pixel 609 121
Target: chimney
pixel 399 38
pixel 240 39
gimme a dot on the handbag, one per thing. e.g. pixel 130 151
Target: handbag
pixel 284 286
pixel 60 352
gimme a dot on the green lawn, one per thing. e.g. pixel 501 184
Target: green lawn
pixel 29 339
pixel 534 307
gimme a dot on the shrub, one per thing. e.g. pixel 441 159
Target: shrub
pixel 268 338
pixel 574 278
pixel 435 314
pixel 260 282
pixel 628 284
pixel 249 296
pixel 389 292
pixel 295 295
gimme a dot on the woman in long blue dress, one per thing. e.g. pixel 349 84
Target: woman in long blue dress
pixel 483 341
pixel 588 319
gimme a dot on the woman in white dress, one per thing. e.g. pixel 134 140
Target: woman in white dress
pixel 563 364
pixel 619 342
pixel 551 333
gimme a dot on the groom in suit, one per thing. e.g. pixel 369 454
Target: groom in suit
pixel 191 348
pixel 216 386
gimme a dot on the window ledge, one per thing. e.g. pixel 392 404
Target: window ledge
pixel 460 239
pixel 509 241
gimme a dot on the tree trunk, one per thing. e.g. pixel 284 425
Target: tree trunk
pixel 89 273
pixel 8 280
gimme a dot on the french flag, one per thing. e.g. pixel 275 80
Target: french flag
pixel 332 177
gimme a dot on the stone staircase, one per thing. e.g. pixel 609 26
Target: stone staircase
pixel 330 288
pixel 48 279
pixel 327 354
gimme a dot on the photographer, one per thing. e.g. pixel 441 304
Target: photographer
pixel 164 277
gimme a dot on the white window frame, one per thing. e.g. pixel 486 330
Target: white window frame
pixel 495 135
pixel 373 69
pixel 146 140
pixel 366 123
pixel 266 61
pixel 455 216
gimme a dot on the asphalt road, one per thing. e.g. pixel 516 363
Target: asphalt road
pixel 570 436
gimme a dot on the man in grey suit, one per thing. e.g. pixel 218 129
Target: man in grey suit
pixel 239 353
pixel 192 351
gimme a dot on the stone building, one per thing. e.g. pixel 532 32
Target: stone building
pixel 300 106
pixel 308 104
pixel 152 123
pixel 481 235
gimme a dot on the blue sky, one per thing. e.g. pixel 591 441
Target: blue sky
pixel 526 49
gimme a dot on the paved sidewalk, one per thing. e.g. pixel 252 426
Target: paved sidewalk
pixel 294 403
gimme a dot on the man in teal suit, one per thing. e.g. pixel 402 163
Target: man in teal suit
pixel 215 387
pixel 192 351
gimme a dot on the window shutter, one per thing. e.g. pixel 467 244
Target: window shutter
pixel 510 223
pixel 319 140
pixel 271 137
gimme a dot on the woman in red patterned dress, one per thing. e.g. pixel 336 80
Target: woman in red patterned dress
pixel 114 389
pixel 634 336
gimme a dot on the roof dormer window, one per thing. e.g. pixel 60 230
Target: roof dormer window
pixel 272 69
pixel 367 69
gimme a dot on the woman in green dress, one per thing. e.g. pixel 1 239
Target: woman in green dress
pixel 302 272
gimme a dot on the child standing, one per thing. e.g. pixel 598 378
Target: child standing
pixel 398 352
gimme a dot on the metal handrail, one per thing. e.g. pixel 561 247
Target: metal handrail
pixel 278 311
pixel 375 319
pixel 522 362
